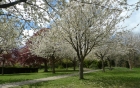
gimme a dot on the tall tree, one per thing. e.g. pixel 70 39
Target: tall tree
pixel 84 26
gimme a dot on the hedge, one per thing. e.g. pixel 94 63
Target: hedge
pixel 11 70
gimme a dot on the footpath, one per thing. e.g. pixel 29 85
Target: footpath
pixel 15 84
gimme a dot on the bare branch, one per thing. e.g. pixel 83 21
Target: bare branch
pixel 12 3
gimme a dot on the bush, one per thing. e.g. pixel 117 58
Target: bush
pixel 66 64
pixel 60 67
pixel 93 64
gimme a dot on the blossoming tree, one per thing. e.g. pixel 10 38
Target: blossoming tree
pixel 84 26
pixel 47 45
pixel 9 37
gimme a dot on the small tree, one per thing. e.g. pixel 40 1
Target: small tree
pixel 101 53
pixel 105 51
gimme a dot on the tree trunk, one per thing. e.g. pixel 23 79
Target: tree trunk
pixel 3 67
pixel 109 63
pixel 103 67
pixel 129 62
pixel 66 64
pixel 81 76
pixel 110 66
pixel 74 64
pixel 53 64
pixel 46 66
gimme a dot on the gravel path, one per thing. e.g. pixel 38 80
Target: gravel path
pixel 15 84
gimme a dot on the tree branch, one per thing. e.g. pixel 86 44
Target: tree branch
pixel 12 3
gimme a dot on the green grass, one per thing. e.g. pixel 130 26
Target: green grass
pixel 7 78
pixel 117 78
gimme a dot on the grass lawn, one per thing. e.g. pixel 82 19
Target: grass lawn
pixel 7 78
pixel 117 78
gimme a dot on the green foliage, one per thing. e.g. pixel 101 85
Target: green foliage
pixel 112 63
pixel 60 67
pixel 87 63
pixel 95 64
pixel 17 65
pixel 123 63
pixel 64 64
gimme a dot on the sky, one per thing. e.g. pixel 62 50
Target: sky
pixel 134 19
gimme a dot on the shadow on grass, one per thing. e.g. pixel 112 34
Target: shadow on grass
pixel 115 79
pixel 60 72
pixel 125 82
pixel 38 85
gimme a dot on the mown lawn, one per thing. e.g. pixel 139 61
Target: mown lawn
pixel 117 78
pixel 7 78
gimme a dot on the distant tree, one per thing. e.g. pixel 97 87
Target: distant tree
pixel 69 53
pixel 9 36
pixel 128 45
pixel 106 50
pixel 101 53
pixel 25 58
pixel 28 47
pixel 46 44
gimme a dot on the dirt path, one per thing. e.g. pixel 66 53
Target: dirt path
pixel 15 84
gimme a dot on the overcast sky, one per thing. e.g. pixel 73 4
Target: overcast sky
pixel 134 19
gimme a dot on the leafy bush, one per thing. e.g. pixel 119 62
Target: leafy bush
pixel 93 64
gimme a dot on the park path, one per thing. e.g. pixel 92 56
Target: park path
pixel 15 84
